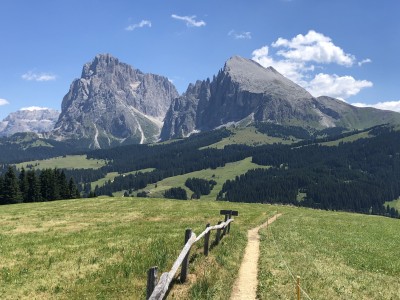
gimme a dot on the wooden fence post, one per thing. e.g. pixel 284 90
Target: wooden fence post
pixel 185 263
pixel 229 225
pixel 218 235
pixel 207 241
pixel 151 281
pixel 226 227
pixel 298 287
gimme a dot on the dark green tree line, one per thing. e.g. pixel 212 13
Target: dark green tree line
pixel 36 186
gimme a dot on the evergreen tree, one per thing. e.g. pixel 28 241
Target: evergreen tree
pixel 33 192
pixel 23 184
pixel 64 191
pixel 11 193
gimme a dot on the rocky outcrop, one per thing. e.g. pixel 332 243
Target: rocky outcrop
pixel 31 119
pixel 245 90
pixel 113 103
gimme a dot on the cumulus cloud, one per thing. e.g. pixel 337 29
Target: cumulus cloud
pixel 336 86
pixel 3 102
pixel 32 76
pixel 299 57
pixel 294 70
pixel 315 47
pixel 243 35
pixel 387 105
pixel 142 24
pixel 189 20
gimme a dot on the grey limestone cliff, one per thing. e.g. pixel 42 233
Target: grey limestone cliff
pixel 243 89
pixel 32 119
pixel 113 103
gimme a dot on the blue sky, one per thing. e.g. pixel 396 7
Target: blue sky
pixel 343 48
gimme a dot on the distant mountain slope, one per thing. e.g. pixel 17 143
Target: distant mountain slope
pixel 31 119
pixel 113 103
pixel 26 146
pixel 243 89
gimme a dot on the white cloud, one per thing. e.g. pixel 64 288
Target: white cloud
pixel 142 24
pixel 31 76
pixel 364 61
pixel 336 86
pixel 291 69
pixel 315 47
pixel 3 102
pixel 33 108
pixel 189 20
pixel 387 105
pixel 243 35
pixel 302 55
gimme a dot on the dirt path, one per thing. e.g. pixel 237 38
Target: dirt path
pixel 245 286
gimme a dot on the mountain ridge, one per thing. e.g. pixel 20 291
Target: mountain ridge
pixel 244 89
pixel 31 119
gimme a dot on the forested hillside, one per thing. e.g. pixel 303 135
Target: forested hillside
pixel 357 176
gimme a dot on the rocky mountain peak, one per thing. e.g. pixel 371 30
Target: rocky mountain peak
pixel 106 64
pixel 113 103
pixel 30 119
pixel 253 77
pixel 245 90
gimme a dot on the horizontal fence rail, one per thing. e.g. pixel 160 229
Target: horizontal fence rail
pixel 157 290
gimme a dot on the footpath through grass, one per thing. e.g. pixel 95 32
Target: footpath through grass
pixel 102 248
pixel 337 255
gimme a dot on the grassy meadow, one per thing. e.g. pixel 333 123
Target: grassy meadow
pixel 112 175
pixel 67 162
pixel 394 203
pixel 348 139
pixel 248 136
pixel 220 175
pixel 337 255
pixel 102 248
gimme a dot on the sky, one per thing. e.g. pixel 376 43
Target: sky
pixel 347 49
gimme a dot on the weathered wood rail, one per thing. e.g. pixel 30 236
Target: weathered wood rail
pixel 158 290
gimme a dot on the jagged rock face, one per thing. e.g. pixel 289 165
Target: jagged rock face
pixel 34 119
pixel 245 90
pixel 242 89
pixel 113 103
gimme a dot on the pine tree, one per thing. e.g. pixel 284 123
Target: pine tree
pixel 63 186
pixel 23 184
pixel 33 187
pixel 11 193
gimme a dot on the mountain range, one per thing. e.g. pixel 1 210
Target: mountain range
pixel 31 119
pixel 113 103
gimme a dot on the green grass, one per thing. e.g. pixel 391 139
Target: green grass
pixel 348 139
pixel 394 203
pixel 220 175
pixel 67 162
pixel 112 175
pixel 102 248
pixel 248 136
pixel 337 255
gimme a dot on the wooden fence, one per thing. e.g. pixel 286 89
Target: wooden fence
pixel 157 290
